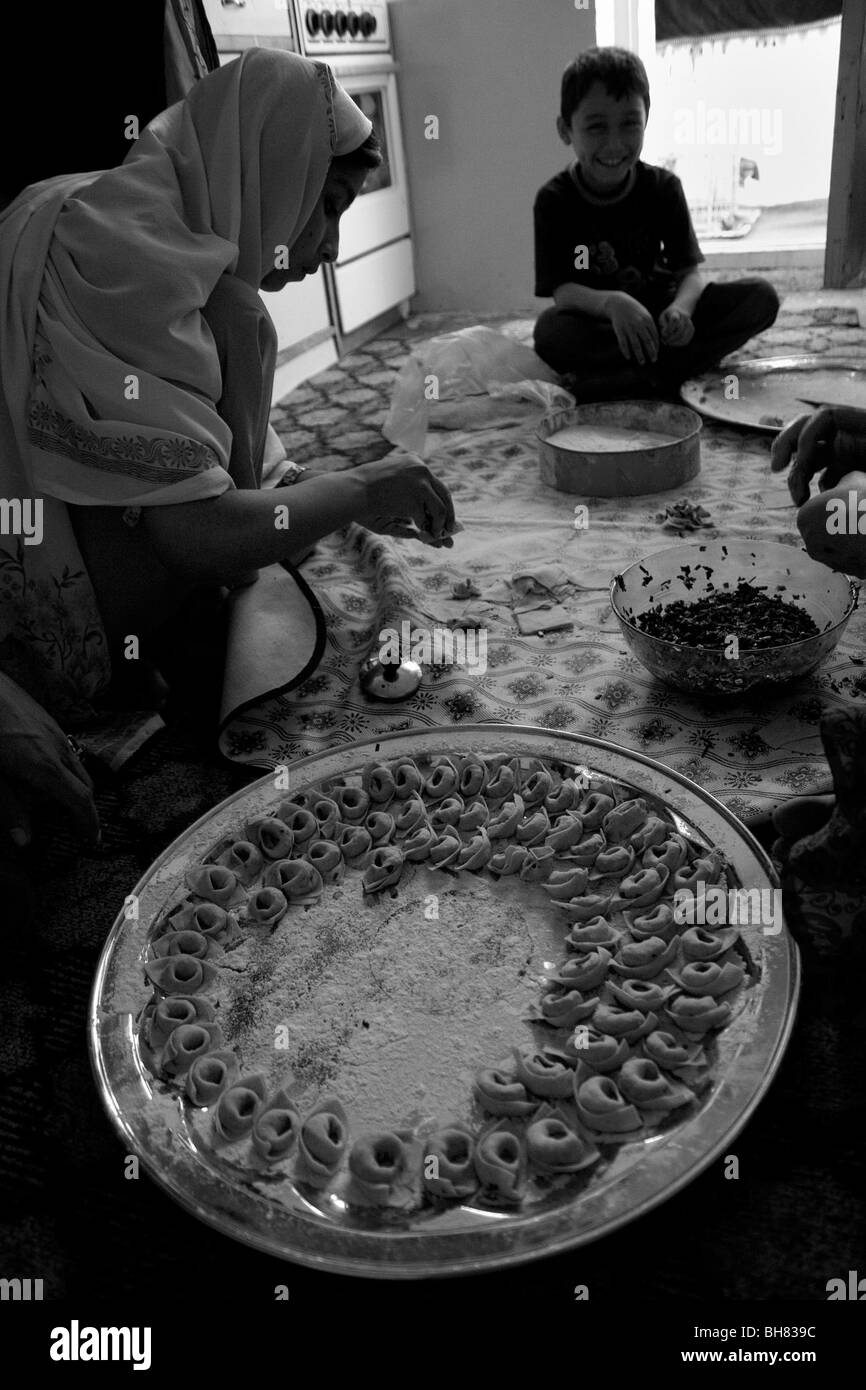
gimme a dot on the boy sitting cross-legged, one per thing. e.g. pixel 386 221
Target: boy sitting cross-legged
pixel 616 250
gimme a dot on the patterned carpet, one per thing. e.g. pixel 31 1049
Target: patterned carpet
pixel 336 417
pixel 752 752
pixel 71 1218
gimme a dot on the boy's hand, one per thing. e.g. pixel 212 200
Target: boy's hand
pixel 675 326
pixel 636 333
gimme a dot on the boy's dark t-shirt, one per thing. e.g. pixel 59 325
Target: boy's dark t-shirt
pixel 642 244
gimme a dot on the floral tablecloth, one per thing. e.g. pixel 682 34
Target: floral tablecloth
pixel 751 752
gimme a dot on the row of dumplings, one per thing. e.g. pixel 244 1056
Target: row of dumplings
pixel 628 1093
pixel 325 831
pixel 391 1168
pixel 312 839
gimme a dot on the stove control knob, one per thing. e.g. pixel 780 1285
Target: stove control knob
pixel 327 23
pixel 354 22
pixel 341 22
pixel 369 24
pixel 312 22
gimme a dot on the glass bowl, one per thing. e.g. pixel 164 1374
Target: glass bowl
pixel 691 572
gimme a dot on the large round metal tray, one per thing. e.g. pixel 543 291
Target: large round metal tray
pixel 154 1124
pixel 771 391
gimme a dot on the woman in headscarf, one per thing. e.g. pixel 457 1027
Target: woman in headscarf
pixel 137 365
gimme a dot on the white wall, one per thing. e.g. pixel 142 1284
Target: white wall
pixel 490 71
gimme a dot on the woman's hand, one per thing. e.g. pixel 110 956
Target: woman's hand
pixel 833 439
pixel 220 539
pixel 403 498
pixel 634 326
pixel 38 769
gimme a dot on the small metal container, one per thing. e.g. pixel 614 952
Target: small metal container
pixel 381 680
pixel 622 472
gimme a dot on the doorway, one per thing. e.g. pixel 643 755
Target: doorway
pixel 764 127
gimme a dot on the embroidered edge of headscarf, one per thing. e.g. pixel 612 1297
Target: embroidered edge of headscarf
pixel 326 77
pixel 51 431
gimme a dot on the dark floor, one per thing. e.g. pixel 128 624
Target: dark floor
pixel 794 1220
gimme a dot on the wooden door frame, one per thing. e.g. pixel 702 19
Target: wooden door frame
pixel 845 256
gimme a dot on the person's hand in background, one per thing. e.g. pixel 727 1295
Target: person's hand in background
pixel 833 525
pixel 831 441
pixel 38 770
pixel 675 326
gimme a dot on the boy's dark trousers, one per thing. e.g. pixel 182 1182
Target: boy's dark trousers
pixel 725 317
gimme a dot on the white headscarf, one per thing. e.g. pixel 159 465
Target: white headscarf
pixel 110 375
pixel 216 185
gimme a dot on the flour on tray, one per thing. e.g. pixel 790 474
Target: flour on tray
pixel 387 1008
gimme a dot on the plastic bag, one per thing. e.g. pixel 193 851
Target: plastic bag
pixel 470 379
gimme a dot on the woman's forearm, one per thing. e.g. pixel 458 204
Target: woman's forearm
pixel 220 539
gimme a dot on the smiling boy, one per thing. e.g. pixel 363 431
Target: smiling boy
pixel 616 250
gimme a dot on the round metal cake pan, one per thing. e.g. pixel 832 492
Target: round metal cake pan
pixel 151 1121
pixel 626 472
